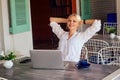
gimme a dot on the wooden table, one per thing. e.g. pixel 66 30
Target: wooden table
pixel 25 72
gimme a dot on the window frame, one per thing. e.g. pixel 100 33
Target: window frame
pixel 14 27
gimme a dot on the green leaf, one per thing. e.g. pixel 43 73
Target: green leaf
pixel 10 56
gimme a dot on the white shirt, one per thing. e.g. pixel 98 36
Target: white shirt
pixel 71 48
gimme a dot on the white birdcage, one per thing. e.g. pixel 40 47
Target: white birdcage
pixel 109 27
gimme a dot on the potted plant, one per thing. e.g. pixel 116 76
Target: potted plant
pixel 111 31
pixel 8 59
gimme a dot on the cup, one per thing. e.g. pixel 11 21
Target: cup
pixel 83 64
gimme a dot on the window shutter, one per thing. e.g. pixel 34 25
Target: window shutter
pixel 85 9
pixel 19 16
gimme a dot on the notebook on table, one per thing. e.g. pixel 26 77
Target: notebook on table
pixel 47 59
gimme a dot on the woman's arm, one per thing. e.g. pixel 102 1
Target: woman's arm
pixel 58 20
pixel 89 21
pixel 90 31
pixel 64 20
pixel 56 28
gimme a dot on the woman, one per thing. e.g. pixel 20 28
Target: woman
pixel 71 42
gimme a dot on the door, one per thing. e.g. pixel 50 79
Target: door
pixel 40 13
pixel 41 10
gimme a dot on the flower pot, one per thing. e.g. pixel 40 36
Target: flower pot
pixel 112 35
pixel 8 64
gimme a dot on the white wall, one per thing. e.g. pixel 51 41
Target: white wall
pixel 21 42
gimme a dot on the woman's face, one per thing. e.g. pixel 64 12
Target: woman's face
pixel 72 23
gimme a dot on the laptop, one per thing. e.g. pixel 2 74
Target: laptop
pixel 47 59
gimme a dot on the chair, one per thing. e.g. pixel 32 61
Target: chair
pixel 93 46
pixel 115 43
pixel 84 53
pixel 109 55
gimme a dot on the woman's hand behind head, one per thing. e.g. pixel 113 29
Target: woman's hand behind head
pixel 96 23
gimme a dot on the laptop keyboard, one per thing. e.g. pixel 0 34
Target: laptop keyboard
pixel 25 61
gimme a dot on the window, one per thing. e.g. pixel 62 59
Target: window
pixel 19 16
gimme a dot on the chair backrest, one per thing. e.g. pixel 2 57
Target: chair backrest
pixel 94 45
pixel 115 43
pixel 110 55
pixel 84 53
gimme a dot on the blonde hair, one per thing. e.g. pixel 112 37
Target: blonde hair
pixel 76 15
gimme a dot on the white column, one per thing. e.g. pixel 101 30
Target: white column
pixel 1 32
pixel 4 24
pixel 118 16
pixel 78 6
